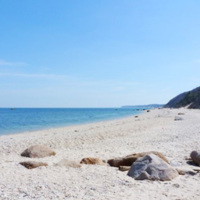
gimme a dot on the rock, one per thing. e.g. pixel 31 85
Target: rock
pixel 92 161
pixel 122 161
pixel 124 168
pixel 38 151
pixel 177 118
pixel 195 157
pixel 32 164
pixel 130 159
pixel 68 163
pixel 152 167
pixel 197 170
pixel 159 154
pixel 184 172
pixel 181 114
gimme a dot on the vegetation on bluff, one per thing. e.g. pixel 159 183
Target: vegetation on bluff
pixel 190 99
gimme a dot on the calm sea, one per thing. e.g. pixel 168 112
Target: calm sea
pixel 29 119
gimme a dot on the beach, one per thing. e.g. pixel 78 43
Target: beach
pixel 150 131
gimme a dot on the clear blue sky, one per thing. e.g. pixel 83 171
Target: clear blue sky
pixel 97 53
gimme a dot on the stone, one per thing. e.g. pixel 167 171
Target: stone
pixel 68 163
pixel 195 157
pixel 92 161
pixel 130 159
pixel 124 168
pixel 32 164
pixel 181 113
pixel 151 167
pixel 177 118
pixel 38 151
pixel 186 172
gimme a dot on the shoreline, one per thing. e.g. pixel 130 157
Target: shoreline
pixel 151 131
pixel 71 125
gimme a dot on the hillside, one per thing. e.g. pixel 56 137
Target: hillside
pixel 190 99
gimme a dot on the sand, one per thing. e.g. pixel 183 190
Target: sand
pixel 151 131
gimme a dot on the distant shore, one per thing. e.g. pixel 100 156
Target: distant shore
pixel 156 130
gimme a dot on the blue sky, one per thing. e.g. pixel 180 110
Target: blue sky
pixel 97 53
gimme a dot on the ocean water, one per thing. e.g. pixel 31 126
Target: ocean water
pixel 30 119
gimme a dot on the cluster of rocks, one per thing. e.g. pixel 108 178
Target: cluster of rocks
pixel 151 165
pixel 36 151
pixel 178 118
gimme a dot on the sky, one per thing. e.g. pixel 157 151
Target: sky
pixel 97 53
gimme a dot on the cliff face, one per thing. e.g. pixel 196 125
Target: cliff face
pixel 190 99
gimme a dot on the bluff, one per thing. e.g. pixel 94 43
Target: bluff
pixel 190 99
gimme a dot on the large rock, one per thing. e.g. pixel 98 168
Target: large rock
pixel 38 151
pixel 32 164
pixel 130 159
pixel 195 157
pixel 92 161
pixel 68 163
pixel 152 167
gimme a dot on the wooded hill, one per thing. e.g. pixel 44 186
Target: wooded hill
pixel 190 99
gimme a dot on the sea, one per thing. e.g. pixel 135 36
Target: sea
pixel 17 120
